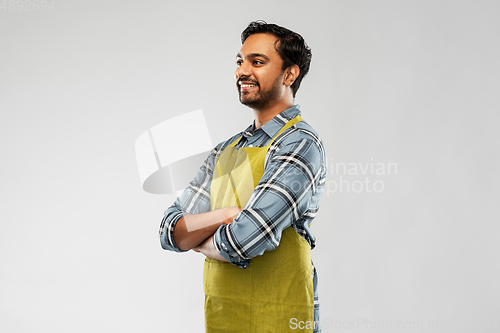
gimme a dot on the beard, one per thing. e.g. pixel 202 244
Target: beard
pixel 261 99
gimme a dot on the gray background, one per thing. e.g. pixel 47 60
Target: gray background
pixel 408 82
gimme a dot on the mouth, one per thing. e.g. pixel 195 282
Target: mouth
pixel 246 86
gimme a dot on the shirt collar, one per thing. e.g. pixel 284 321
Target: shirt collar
pixel 273 126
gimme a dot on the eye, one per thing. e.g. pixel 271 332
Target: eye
pixel 258 62
pixel 238 62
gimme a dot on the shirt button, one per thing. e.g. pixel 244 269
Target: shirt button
pixel 250 145
pixel 223 246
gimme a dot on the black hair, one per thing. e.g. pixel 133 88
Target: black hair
pixel 291 47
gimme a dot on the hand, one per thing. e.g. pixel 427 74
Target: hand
pixel 207 248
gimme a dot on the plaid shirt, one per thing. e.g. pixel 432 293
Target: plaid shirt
pixel 287 195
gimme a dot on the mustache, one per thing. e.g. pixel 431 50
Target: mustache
pixel 246 80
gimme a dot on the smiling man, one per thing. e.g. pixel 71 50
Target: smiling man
pixel 249 208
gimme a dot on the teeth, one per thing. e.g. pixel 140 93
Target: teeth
pixel 247 85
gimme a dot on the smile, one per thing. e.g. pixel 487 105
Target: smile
pixel 246 86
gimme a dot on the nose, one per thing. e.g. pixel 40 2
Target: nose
pixel 242 70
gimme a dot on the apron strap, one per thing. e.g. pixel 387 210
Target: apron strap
pixel 290 123
pixel 235 142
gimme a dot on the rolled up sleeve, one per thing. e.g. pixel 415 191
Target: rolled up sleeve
pixel 167 226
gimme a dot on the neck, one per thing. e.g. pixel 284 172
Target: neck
pixel 262 116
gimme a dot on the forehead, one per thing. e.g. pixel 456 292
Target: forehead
pixel 259 44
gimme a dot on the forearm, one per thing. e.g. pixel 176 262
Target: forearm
pixel 193 229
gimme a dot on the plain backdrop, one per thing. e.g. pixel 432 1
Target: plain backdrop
pixel 405 95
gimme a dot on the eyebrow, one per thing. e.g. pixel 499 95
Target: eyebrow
pixel 253 55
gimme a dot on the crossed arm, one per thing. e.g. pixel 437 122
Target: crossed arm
pixel 277 203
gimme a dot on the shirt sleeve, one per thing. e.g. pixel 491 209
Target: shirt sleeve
pixel 280 199
pixel 195 199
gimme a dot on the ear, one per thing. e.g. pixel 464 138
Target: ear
pixel 291 74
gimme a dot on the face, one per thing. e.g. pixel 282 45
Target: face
pixel 259 76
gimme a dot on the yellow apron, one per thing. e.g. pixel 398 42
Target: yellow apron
pixel 276 290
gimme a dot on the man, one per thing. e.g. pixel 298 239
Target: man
pixel 249 208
